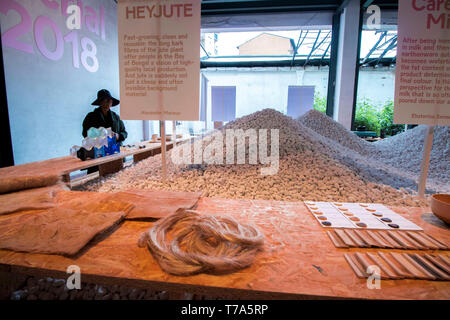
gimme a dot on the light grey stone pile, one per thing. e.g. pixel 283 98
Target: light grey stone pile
pixel 319 161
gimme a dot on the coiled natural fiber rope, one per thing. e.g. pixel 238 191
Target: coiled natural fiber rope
pixel 187 243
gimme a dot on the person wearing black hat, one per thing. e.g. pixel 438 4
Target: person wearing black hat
pixel 104 117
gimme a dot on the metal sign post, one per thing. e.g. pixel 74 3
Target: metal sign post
pixel 162 127
pixel 428 144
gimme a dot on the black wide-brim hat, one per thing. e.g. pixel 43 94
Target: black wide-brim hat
pixel 102 95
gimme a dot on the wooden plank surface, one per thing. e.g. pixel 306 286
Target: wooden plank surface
pixel 63 166
pixel 298 261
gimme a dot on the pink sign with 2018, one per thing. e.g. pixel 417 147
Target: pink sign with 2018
pixel 91 19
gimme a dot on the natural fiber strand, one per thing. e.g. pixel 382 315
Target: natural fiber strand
pixel 187 243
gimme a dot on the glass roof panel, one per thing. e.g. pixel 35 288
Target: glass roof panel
pixel 298 44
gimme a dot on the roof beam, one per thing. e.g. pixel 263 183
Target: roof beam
pixel 314 46
pixel 325 53
pixel 392 45
pixel 214 7
pixel 375 47
pixel 204 50
pixel 298 45
pixel 367 4
pixel 344 3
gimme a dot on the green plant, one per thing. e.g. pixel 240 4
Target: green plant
pixel 373 117
pixel 320 103
pixel 377 118
pixel 367 115
pixel 386 119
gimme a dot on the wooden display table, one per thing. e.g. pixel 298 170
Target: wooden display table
pixel 63 166
pixel 299 261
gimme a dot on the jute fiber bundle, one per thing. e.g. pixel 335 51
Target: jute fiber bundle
pixel 187 243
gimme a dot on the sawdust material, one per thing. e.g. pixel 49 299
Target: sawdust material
pixel 56 231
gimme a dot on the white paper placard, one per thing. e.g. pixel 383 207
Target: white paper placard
pixel 159 59
pixel 422 78
pixel 349 215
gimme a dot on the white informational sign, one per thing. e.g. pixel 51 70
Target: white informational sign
pixel 159 59
pixel 300 100
pixel 223 101
pixel 422 80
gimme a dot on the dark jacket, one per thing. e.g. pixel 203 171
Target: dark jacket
pixel 112 120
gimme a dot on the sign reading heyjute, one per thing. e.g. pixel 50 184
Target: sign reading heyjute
pixel 422 83
pixel 159 59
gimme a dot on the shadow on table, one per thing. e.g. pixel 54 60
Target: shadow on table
pixel 435 221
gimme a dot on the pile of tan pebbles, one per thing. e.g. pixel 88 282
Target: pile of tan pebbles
pixel 319 160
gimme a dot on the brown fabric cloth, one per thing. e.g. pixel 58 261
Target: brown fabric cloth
pixel 156 204
pixel 17 183
pixel 32 199
pixel 92 202
pixel 57 231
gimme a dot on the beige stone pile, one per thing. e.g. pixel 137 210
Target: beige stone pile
pixel 314 165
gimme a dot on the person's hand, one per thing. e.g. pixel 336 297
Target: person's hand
pixel 117 136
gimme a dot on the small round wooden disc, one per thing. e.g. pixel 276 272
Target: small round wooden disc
pixel 322 218
pixel 386 220
pixel 377 214
pixel 361 225
pixel 326 223
pixel 393 225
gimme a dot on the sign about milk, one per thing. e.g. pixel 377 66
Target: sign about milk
pixel 159 59
pixel 422 79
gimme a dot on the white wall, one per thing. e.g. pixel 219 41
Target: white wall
pixel 376 85
pixel 260 88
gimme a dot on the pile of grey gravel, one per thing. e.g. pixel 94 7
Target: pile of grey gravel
pixel 319 161
pixel 56 289
pixel 328 128
pixel 405 150
pixel 394 161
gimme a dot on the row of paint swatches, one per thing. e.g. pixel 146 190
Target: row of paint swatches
pixel 358 216
pixel 396 266
pixel 390 239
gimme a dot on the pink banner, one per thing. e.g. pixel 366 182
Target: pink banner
pixel 422 83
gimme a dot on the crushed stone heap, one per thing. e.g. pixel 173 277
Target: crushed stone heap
pixel 334 166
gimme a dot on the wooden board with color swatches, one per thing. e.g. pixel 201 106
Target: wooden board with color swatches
pixel 358 216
